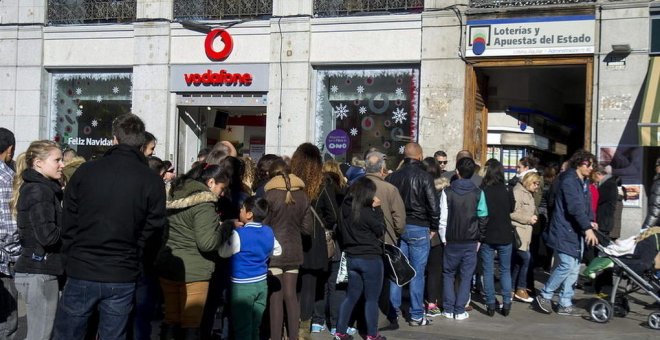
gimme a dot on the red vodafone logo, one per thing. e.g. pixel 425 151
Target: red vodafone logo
pixel 226 39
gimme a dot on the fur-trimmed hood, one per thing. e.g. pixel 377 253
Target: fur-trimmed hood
pixel 278 183
pixel 190 194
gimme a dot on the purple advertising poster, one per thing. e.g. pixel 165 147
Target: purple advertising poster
pixel 337 142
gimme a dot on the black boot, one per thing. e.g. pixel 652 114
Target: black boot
pixel 190 333
pixel 168 332
pixel 506 309
pixel 490 310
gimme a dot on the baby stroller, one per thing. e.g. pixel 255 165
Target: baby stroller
pixel 638 270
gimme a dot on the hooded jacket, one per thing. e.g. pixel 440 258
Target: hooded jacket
pixel 192 234
pixel 288 221
pixel 39 220
pixel 464 212
pixel 112 205
pixel 572 215
pixel 417 190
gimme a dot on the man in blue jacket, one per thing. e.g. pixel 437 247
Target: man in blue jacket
pixel 572 223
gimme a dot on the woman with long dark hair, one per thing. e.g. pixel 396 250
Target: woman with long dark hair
pixel 362 227
pixel 289 218
pixel 498 236
pixel 185 263
pixel 307 164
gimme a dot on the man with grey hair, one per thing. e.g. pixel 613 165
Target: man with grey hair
pixel 392 205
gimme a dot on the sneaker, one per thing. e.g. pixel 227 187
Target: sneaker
pixel 349 330
pixel 340 336
pixel 377 337
pixel 433 311
pixel 448 315
pixel 462 316
pixel 419 322
pixel 568 311
pixel 317 328
pixel 544 304
pixel 521 295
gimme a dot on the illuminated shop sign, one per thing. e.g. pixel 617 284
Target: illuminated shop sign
pixel 574 34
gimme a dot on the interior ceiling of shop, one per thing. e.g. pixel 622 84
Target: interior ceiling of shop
pixel 558 91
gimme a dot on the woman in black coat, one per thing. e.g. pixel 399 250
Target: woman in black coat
pixel 497 237
pixel 37 205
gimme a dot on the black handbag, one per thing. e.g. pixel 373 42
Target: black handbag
pixel 516 239
pixel 397 266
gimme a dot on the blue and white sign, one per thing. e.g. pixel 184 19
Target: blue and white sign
pixel 574 34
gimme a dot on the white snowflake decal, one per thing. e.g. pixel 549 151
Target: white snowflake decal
pixel 95 123
pixel 354 132
pixel 399 92
pixel 115 90
pixel 360 89
pixel 78 91
pixel 99 99
pixel 363 110
pixel 79 113
pixel 334 88
pixel 398 115
pixel 341 111
pixel 401 149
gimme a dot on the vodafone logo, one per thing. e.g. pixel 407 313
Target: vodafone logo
pixel 226 39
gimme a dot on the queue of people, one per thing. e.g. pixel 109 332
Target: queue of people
pixel 103 248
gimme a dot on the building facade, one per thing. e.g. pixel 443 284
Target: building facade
pixel 500 78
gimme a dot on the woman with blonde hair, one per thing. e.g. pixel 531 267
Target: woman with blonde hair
pixel 37 205
pixel 523 218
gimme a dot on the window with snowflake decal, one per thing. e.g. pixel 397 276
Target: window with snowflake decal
pixel 83 106
pixel 375 107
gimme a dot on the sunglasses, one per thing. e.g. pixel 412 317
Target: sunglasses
pixel 442 162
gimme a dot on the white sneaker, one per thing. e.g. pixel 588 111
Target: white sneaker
pixel 448 315
pixel 462 316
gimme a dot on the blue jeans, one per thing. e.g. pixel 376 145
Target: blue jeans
pixel 459 258
pixel 40 293
pixel 415 244
pixel 146 292
pixel 81 297
pixel 365 276
pixel 487 254
pixel 520 267
pixel 564 275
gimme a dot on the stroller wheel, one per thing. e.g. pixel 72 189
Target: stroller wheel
pixel 654 320
pixel 600 311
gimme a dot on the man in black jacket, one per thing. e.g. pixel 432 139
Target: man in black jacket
pixel 111 207
pixel 418 192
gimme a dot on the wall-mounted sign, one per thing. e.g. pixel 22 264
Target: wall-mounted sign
pixel 337 142
pixel 573 34
pixel 226 40
pixel 219 78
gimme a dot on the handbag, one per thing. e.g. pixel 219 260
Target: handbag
pixel 397 266
pixel 329 235
pixel 342 274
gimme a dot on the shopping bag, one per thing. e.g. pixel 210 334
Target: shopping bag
pixel 342 276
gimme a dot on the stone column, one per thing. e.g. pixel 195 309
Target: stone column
pixel 442 83
pixel 151 100
pixel 23 80
pixel 289 119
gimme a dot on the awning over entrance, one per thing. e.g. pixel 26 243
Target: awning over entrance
pixel 649 118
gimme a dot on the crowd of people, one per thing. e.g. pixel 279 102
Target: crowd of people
pixel 285 247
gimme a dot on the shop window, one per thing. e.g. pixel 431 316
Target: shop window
pixel 367 108
pixel 83 108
